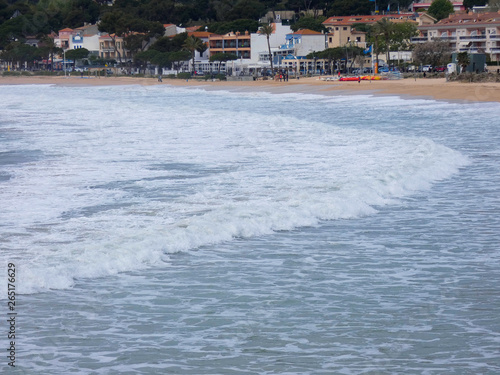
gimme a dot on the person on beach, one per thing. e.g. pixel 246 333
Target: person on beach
pixel 159 78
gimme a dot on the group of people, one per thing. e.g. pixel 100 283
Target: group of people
pixel 281 76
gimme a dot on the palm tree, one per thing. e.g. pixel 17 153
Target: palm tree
pixel 193 44
pixel 384 28
pixel 267 30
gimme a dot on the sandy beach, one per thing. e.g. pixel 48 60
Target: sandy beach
pixel 425 88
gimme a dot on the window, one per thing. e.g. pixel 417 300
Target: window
pixel 345 28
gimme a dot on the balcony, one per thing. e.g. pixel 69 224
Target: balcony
pixel 444 38
pixel 473 37
pixel 419 40
pixel 494 36
pixel 469 50
pixel 217 44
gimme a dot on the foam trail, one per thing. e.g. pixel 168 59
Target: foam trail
pixel 115 190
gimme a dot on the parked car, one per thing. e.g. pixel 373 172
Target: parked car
pixel 414 68
pixel 427 68
pixel 440 68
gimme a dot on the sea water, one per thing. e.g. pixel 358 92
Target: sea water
pixel 163 230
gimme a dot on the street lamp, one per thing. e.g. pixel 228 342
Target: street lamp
pixel 64 62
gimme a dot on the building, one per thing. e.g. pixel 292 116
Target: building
pixel 63 38
pixel 458 6
pixel 278 16
pixel 343 23
pixel 304 42
pixel 236 43
pixel 108 51
pixel 472 33
pixel 202 63
pixel 82 37
pixel 86 37
pixel 251 48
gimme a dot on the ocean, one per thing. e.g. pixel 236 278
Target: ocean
pixel 170 230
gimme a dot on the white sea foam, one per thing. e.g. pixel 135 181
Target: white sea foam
pixel 126 175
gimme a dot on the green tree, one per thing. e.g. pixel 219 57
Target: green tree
pixel 267 30
pixel 463 61
pixel 250 9
pixel 21 53
pixel 144 33
pixel 161 59
pixel 351 53
pixel 440 9
pixel 402 34
pixel 471 3
pixel 77 54
pixel 222 57
pixel 178 58
pixel 333 55
pixel 350 7
pixel 143 57
pixel 51 47
pixel 310 23
pixel 240 25
pixel 116 24
pixel 433 53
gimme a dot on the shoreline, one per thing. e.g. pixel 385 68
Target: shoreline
pixel 425 88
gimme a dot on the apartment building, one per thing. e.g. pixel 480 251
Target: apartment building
pixel 236 43
pixel 108 51
pixel 472 33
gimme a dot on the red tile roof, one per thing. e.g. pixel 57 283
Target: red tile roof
pixel 200 34
pixel 350 20
pixel 456 19
pixel 307 32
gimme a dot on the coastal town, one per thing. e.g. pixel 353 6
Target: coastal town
pixel 282 43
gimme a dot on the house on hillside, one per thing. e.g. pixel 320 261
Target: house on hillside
pixel 305 41
pixel 108 51
pixel 343 23
pixel 472 33
pixel 423 6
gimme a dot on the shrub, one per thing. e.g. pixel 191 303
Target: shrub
pixel 11 74
pixel 184 75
